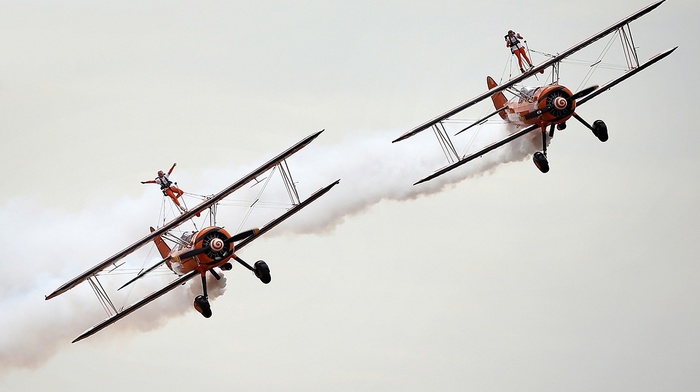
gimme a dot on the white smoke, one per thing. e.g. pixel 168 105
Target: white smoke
pixel 373 169
pixel 46 246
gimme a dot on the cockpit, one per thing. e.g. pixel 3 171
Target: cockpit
pixel 527 93
pixel 185 239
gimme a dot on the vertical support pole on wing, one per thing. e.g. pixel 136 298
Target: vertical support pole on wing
pixel 555 72
pixel 212 214
pixel 289 182
pixel 102 296
pixel 445 142
pixel 628 48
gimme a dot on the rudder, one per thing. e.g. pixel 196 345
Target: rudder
pixel 499 99
pixel 163 248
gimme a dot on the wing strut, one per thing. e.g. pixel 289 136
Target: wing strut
pixel 448 148
pixel 102 296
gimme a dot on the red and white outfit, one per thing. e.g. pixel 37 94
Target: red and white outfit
pixel 517 48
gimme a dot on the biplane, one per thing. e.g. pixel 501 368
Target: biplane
pixel 198 253
pixel 543 108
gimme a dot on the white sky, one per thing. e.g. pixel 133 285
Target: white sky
pixel 581 279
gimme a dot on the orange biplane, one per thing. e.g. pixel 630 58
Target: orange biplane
pixel 198 252
pixel 541 108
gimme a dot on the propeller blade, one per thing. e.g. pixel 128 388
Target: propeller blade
pixel 238 237
pixel 538 112
pixel 194 252
pixel 242 235
pixel 584 92
pixel 572 98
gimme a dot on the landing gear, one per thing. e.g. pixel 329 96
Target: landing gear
pixel 261 270
pixel 599 129
pixel 541 161
pixel 540 157
pixel 201 304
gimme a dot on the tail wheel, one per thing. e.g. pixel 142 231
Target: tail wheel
pixel 600 130
pixel 541 162
pixel 201 304
pixel 262 271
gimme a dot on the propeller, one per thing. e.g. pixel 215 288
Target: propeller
pixel 584 92
pixel 217 244
pixel 559 103
pixel 214 245
pixel 242 235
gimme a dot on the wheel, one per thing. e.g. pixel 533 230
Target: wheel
pixel 201 304
pixel 541 161
pixel 600 130
pixel 262 271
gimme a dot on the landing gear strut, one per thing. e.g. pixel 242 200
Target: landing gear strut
pixel 260 269
pixel 201 302
pixel 599 129
pixel 540 157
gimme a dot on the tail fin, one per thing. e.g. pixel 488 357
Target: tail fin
pixel 499 99
pixel 163 248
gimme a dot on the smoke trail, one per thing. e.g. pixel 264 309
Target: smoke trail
pixel 53 245
pixel 372 169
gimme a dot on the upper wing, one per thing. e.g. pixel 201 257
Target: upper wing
pixel 184 217
pixel 132 308
pixel 531 72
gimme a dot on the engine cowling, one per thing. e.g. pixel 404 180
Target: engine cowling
pixel 213 240
pixel 556 104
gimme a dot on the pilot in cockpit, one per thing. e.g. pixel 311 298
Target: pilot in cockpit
pixel 526 93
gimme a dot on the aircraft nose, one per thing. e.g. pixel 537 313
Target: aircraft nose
pixel 560 103
pixel 216 244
